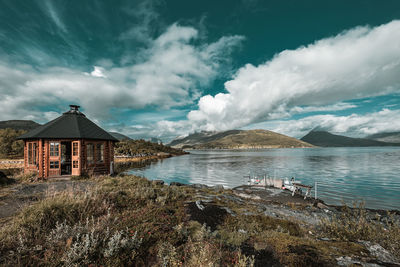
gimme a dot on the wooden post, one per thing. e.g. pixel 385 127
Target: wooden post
pixel 46 159
pixel 25 157
pixel 40 158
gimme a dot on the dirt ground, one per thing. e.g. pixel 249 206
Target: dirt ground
pixel 15 197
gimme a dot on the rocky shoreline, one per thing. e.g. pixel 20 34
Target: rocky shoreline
pixel 308 213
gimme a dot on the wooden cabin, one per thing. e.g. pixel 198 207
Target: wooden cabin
pixel 68 145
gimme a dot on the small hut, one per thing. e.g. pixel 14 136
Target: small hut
pixel 69 145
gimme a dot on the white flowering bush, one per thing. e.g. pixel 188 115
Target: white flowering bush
pixel 90 241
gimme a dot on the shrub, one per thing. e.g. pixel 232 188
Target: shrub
pixel 140 148
pixel 352 224
pixel 202 250
pixel 9 145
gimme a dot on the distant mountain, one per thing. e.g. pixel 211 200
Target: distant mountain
pixel 326 139
pixel 391 137
pixel 26 125
pixel 237 139
pixel 119 136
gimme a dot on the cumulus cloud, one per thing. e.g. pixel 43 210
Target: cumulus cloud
pixel 169 73
pixel 357 63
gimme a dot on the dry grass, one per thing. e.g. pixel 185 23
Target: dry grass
pixel 352 225
pixel 136 159
pixel 127 220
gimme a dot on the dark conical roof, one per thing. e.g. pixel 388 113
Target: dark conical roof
pixel 72 124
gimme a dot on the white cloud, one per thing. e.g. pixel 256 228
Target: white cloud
pixel 335 107
pixel 169 73
pixel 354 125
pixel 98 72
pixel 357 63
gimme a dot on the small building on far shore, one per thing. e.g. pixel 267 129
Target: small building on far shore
pixel 68 145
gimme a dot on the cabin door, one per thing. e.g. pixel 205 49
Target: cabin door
pixel 66 158
pixel 76 170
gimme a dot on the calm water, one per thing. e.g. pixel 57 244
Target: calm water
pixel 343 174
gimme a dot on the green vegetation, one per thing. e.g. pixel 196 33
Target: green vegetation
pixel 10 147
pixel 127 220
pixel 140 148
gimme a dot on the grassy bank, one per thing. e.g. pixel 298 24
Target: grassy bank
pixel 127 220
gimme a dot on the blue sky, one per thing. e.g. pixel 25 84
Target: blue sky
pixel 168 68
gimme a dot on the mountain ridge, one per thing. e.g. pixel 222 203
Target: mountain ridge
pixel 26 125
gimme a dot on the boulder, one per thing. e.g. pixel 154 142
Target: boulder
pixel 176 184
pixel 199 186
pixel 380 253
pixel 218 188
pixel 322 206
pixel 248 191
pixel 158 182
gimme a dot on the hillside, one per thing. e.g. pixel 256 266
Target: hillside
pixel 326 139
pixel 391 137
pixel 26 125
pixel 238 139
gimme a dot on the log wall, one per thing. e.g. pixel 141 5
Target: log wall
pixel 43 158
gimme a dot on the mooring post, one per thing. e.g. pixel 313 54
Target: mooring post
pixel 315 189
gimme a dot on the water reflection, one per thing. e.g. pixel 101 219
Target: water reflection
pixel 348 174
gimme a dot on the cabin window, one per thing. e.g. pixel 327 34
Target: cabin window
pixel 100 153
pixel 32 153
pixel 54 149
pixel 75 164
pixel 75 149
pixel 90 153
pixel 54 164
